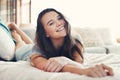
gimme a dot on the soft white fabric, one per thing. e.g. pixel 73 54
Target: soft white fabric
pixel 7 45
pixel 22 70
pixel 113 48
pixel 100 50
pixel 105 35
pixel 30 31
pixel 90 37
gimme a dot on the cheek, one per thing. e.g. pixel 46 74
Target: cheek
pixel 50 31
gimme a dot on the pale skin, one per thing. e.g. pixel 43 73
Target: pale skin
pixel 55 29
pixel 20 37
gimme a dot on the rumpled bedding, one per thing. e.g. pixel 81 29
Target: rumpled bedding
pixel 22 70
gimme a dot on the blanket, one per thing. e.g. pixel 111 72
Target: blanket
pixel 22 70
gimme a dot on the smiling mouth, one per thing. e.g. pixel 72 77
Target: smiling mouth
pixel 60 29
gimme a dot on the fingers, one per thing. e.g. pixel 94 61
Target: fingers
pixel 108 69
pixel 99 71
pixel 103 70
pixel 53 66
pixel 57 68
pixel 95 72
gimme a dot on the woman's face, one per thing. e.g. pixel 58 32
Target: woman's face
pixel 54 25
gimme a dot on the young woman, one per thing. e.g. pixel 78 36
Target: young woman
pixel 55 48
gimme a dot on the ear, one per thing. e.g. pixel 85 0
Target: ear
pixel 47 35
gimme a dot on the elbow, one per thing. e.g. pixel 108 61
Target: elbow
pixel 38 61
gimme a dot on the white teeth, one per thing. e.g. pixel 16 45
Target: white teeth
pixel 60 29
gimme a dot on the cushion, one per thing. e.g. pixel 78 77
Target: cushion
pixel 30 31
pixel 105 35
pixel 7 44
pixel 101 50
pixel 113 48
pixel 90 37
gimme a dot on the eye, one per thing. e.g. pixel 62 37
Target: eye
pixel 51 23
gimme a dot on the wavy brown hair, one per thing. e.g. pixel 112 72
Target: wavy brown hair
pixel 45 44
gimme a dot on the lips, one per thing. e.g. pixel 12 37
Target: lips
pixel 60 29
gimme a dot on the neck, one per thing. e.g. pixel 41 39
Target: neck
pixel 57 43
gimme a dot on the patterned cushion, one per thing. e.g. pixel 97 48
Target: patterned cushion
pixel 105 35
pixel 90 37
pixel 7 45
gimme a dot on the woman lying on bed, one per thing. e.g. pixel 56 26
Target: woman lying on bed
pixel 55 45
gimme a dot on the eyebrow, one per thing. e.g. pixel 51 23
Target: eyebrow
pixel 58 15
pixel 51 19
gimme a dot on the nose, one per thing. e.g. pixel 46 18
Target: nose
pixel 58 23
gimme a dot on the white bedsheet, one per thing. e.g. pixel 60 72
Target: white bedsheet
pixel 22 70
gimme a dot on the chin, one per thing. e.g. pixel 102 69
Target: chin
pixel 65 35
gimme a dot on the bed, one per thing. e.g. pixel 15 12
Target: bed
pixel 22 70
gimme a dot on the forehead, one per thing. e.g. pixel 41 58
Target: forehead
pixel 48 16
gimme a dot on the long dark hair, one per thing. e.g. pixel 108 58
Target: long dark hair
pixel 45 44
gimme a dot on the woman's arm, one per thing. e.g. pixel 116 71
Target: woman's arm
pixel 96 71
pixel 42 63
pixel 38 61
pixel 53 66
pixel 24 37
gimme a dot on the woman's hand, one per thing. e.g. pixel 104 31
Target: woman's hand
pixel 53 65
pixel 99 71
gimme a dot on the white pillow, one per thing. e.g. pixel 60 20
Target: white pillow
pixel 7 45
pixel 90 37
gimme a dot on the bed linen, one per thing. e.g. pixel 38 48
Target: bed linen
pixel 22 70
